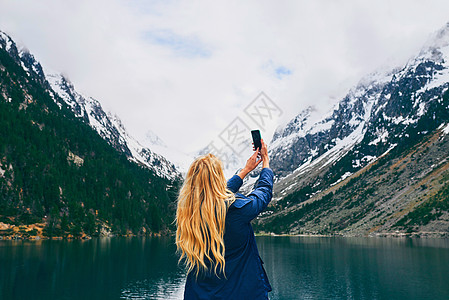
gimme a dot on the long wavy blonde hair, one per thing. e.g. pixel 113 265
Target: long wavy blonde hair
pixel 200 217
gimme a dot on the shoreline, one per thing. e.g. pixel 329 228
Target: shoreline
pixel 425 235
pixel 70 237
pixel 36 232
pixel 436 235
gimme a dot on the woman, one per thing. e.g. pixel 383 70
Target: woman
pixel 214 235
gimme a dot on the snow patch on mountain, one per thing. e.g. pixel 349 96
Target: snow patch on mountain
pixel 382 136
pixel 8 41
pixel 444 128
pixel 303 124
pixel 62 87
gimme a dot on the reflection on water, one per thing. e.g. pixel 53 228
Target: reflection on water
pixel 105 268
pixel 298 268
pixel 356 268
pixel 159 289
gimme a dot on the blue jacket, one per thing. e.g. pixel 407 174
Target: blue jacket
pixel 246 277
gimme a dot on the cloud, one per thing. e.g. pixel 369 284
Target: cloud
pixel 277 70
pixel 189 47
pixel 186 69
pixel 282 71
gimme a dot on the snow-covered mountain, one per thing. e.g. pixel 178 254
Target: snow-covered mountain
pixel 370 119
pixel 376 163
pixel 180 159
pixel 108 125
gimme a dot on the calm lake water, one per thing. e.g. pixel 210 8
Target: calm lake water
pixel 298 268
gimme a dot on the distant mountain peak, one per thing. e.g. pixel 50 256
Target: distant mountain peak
pixel 441 37
pixel 154 139
pixel 436 48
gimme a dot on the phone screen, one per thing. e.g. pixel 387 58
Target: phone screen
pixel 256 139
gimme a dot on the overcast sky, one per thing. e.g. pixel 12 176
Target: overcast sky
pixel 186 69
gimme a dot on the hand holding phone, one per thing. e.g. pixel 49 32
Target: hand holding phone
pixel 256 139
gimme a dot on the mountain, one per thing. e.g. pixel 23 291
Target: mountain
pixel 108 125
pixel 111 128
pixel 375 162
pixel 66 167
pixel 179 158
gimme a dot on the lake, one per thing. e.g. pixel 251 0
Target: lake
pixel 298 268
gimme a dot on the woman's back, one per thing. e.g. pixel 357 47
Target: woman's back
pixel 244 276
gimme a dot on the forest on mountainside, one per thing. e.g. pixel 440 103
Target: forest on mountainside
pixel 57 171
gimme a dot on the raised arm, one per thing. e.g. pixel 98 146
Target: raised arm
pixel 235 183
pixel 255 159
pixel 263 190
pixel 260 196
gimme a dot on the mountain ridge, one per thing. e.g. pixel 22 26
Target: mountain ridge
pixel 108 125
pixel 381 114
pixel 58 176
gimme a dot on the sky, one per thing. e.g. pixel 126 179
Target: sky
pixel 185 70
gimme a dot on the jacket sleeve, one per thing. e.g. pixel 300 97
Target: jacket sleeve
pixel 260 196
pixel 235 183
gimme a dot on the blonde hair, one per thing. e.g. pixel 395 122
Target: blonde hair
pixel 200 217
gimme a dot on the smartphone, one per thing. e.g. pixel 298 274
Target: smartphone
pixel 256 139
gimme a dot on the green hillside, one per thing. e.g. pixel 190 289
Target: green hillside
pixel 56 170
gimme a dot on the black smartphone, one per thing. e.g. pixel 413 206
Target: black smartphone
pixel 256 139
